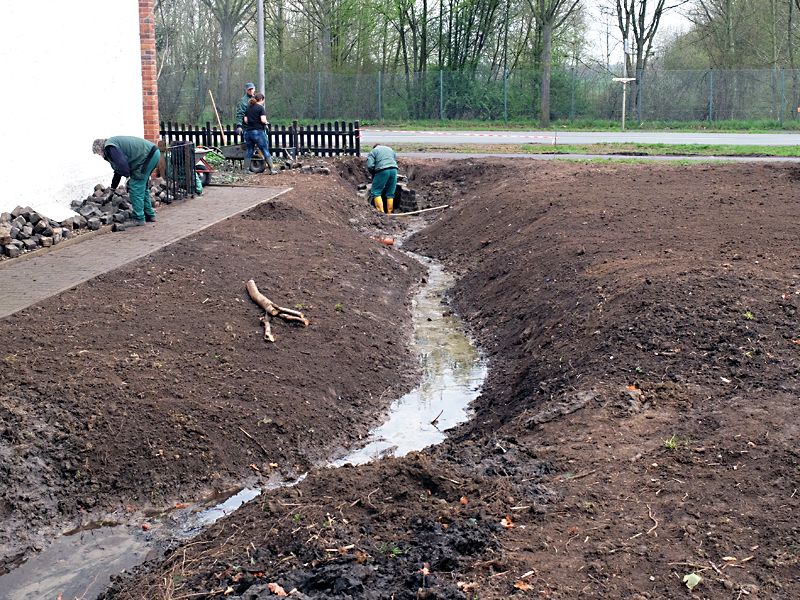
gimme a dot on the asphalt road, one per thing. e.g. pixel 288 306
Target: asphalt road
pixel 373 135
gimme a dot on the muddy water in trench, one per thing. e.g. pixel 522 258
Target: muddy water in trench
pixel 78 565
pixel 452 373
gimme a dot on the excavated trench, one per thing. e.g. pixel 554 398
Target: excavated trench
pixel 80 562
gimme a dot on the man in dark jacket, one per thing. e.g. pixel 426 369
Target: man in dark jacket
pixel 134 158
pixel 249 89
pixel 382 163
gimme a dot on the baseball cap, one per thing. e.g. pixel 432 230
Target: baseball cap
pixel 249 86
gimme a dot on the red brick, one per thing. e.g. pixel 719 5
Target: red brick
pixel 147 43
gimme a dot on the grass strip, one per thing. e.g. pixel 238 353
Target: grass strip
pixel 610 149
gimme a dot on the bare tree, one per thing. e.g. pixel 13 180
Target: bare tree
pixel 185 35
pixel 552 15
pixel 638 21
pixel 232 16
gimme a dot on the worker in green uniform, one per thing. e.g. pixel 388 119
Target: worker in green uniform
pixel 382 164
pixel 241 108
pixel 134 158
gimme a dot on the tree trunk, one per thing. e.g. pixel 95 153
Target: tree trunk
pixel 789 34
pixel 280 26
pixel 729 29
pixel 226 61
pixel 547 36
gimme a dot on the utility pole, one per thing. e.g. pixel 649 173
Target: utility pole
pixel 260 39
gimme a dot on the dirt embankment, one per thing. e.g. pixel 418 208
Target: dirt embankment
pixel 139 387
pixel 638 425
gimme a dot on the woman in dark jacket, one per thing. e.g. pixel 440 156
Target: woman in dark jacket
pixel 255 120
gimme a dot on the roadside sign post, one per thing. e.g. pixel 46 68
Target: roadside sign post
pixel 624 81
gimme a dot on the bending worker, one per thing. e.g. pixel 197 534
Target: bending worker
pixel 382 163
pixel 134 158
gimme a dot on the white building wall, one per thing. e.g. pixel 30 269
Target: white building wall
pixel 71 72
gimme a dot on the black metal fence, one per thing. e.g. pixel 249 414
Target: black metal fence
pixel 178 168
pixel 325 139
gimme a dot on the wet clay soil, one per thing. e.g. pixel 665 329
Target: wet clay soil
pixel 639 422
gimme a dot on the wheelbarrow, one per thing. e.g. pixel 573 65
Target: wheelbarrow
pixel 237 152
pixel 234 152
pixel 201 167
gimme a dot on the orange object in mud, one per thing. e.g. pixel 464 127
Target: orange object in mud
pixel 389 241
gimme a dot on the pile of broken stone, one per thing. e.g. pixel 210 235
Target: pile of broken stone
pixel 25 229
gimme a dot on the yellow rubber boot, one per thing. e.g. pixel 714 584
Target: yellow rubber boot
pixel 379 203
pixel 389 204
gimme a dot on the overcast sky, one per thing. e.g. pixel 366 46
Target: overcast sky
pixel 604 35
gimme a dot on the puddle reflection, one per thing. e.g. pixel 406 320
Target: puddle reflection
pixel 452 373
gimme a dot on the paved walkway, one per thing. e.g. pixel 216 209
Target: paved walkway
pixel 44 273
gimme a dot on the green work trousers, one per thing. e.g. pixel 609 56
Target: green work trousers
pixel 384 183
pixel 139 190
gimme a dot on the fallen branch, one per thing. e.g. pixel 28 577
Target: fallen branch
pixel 653 528
pixel 450 480
pixel 260 298
pixel 255 440
pixel 290 311
pixel 287 314
pixel 267 329
pixel 574 477
pixel 487 563
pixel 286 317
pixel 416 212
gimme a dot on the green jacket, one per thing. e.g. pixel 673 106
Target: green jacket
pixel 135 149
pixel 380 159
pixel 240 110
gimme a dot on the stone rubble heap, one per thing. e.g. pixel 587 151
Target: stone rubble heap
pixel 24 230
pixel 320 168
pixel 113 207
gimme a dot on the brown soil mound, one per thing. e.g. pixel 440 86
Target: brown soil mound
pixel 639 421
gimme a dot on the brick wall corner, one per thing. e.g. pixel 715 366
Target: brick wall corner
pixel 147 43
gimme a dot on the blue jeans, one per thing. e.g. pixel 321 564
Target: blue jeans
pixel 253 138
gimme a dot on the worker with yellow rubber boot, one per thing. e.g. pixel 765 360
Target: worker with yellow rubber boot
pixel 382 164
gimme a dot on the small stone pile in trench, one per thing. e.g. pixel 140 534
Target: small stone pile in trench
pixel 24 230
pixel 405 199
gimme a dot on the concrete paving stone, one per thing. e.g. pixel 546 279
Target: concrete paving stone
pixel 26 281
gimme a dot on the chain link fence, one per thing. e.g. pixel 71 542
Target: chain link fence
pixel 494 95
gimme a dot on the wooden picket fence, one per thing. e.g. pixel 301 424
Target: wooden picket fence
pixel 325 139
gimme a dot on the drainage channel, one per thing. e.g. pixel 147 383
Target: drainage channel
pixel 78 564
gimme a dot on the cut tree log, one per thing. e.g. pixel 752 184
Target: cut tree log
pixel 260 298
